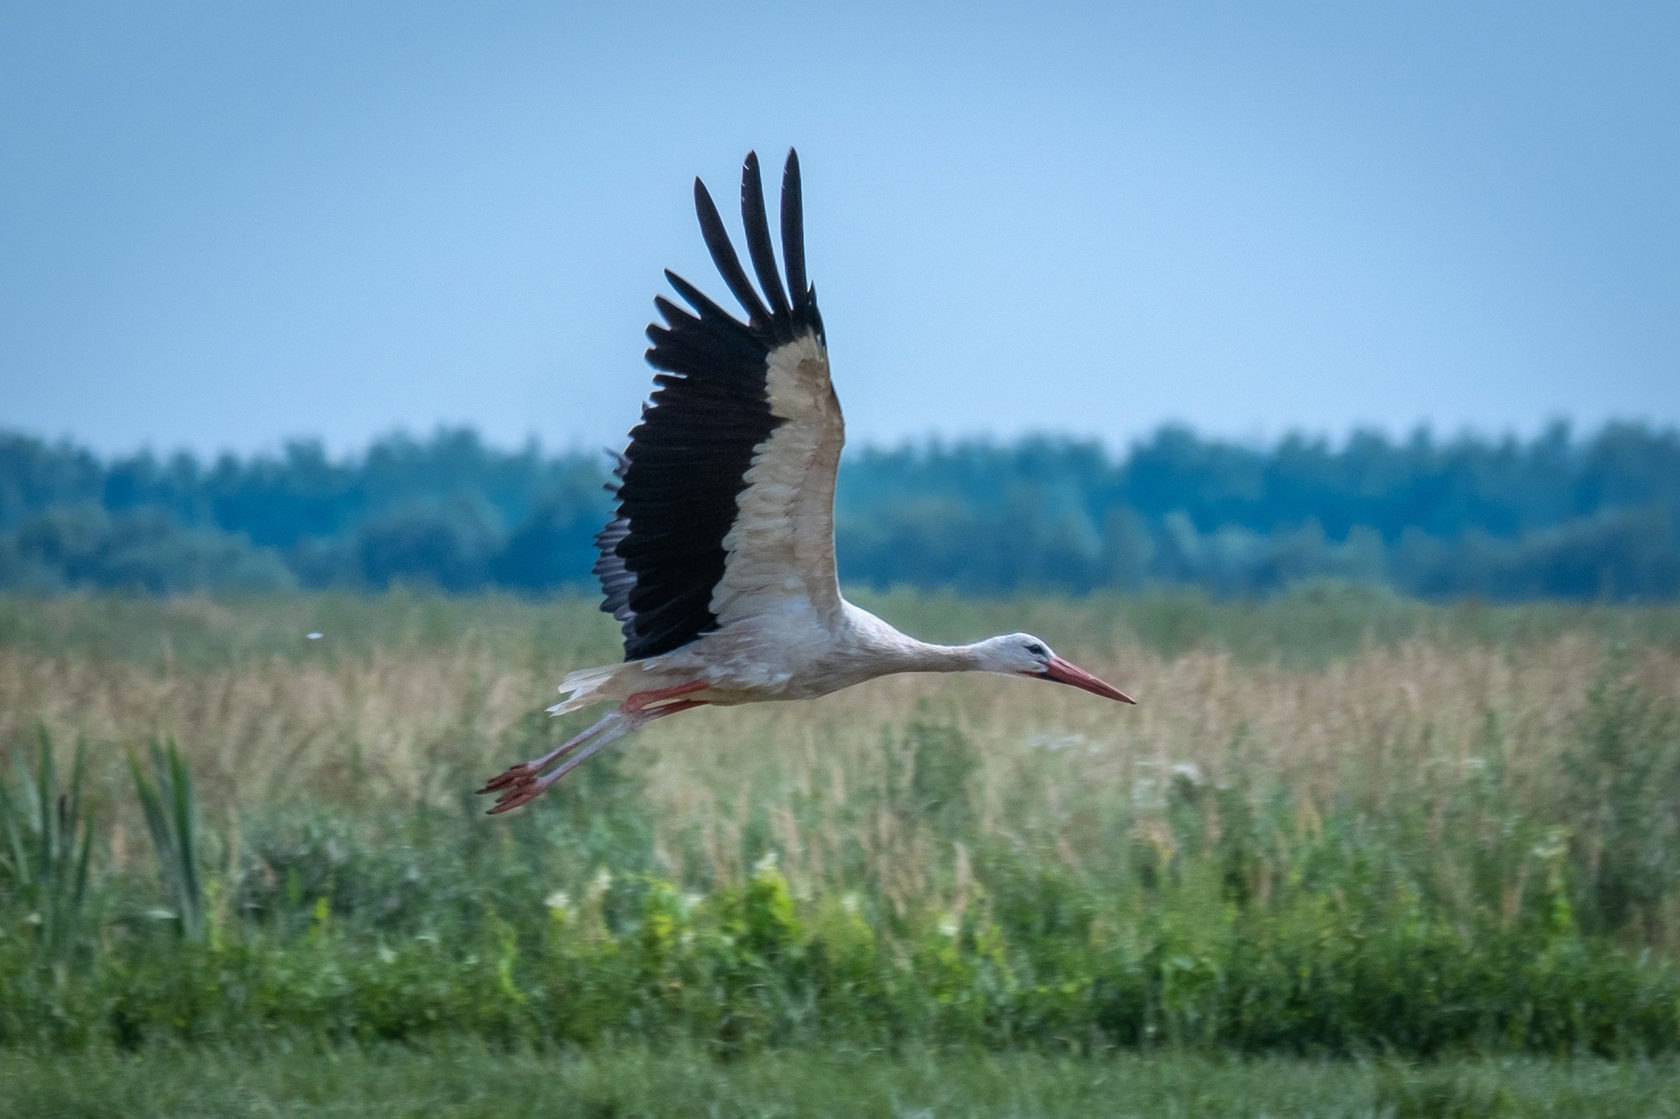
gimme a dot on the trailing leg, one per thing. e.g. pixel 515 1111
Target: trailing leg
pixel 528 770
pixel 641 700
pixel 521 784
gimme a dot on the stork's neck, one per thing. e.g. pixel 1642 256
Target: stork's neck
pixel 899 652
pixel 924 657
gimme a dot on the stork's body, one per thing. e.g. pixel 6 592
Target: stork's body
pixel 719 563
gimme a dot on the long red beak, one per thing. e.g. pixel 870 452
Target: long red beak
pixel 1063 672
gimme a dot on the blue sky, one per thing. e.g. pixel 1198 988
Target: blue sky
pixel 225 225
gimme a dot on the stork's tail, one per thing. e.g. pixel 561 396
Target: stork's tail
pixel 583 687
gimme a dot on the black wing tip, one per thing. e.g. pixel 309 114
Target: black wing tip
pixel 792 180
pixel 781 316
pixel 755 221
pixel 793 245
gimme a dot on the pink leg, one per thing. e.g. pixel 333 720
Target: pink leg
pixel 527 786
pixel 528 770
pixel 642 699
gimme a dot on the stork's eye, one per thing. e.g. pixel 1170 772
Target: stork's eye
pixel 1036 649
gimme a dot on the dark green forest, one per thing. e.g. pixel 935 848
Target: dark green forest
pixel 1560 515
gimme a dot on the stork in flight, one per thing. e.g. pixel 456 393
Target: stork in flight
pixel 719 562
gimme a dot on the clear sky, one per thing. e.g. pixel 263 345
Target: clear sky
pixel 227 224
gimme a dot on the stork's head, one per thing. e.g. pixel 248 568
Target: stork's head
pixel 1025 655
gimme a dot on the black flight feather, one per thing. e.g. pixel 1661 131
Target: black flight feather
pixel 723 256
pixel 757 226
pixel 793 236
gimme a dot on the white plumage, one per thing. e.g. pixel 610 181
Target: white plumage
pixel 719 562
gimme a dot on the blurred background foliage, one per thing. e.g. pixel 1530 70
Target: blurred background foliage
pixel 1559 515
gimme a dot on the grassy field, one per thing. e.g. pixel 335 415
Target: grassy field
pixel 460 1077
pixel 1341 834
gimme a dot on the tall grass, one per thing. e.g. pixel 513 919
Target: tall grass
pixel 48 835
pixel 172 820
pixel 1338 823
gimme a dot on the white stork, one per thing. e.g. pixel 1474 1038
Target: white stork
pixel 719 562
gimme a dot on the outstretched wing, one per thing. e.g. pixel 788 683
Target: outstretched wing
pixel 726 491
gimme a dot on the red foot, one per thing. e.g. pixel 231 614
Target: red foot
pixel 521 794
pixel 515 775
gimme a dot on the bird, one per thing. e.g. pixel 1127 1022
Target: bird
pixel 718 561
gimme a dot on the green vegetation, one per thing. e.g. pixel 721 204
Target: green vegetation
pixel 463 1077
pixel 1561 516
pixel 1339 825
pixel 45 860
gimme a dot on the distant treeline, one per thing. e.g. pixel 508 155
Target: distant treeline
pixel 1559 516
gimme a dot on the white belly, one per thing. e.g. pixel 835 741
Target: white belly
pixel 786 655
